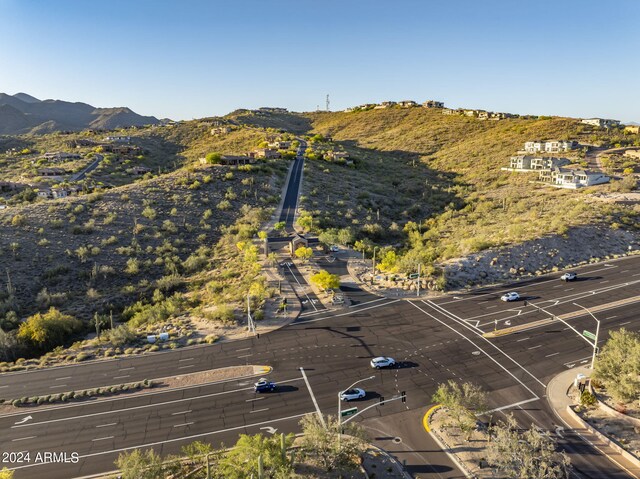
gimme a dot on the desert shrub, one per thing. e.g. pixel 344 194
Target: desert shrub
pixel 50 329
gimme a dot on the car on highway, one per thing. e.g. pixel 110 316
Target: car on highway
pixel 351 394
pixel 263 386
pixel 382 362
pixel 569 276
pixel 512 296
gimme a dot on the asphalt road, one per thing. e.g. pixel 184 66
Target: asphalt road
pixel 433 340
pixel 290 203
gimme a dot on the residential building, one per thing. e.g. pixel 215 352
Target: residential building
pixel 484 115
pixel 139 170
pixel 59 156
pixel 632 154
pixel 451 111
pixel 337 155
pixel 433 104
pixel 526 163
pixel 280 145
pixel 236 160
pixel 11 186
pixel 118 139
pixel 549 146
pixel 500 116
pixel 52 172
pixel 221 130
pixel 600 122
pixel 384 104
pixel 273 109
pixel 44 193
pixel 633 129
pixel 407 103
pixel 266 153
pixel 573 179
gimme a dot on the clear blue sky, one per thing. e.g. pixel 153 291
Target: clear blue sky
pixel 191 58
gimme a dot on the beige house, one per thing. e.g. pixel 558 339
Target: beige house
pixel 633 129
pixel 221 130
pixel 384 104
pixel 407 103
pixel 433 104
pixel 59 156
pixel 526 163
pixel 336 155
pixel 600 122
pixel 266 153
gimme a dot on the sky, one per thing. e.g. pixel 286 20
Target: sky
pixel 187 59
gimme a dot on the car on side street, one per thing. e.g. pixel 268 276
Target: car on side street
pixel 263 386
pixel 334 248
pixel 382 362
pixel 351 394
pixel 511 296
pixel 569 276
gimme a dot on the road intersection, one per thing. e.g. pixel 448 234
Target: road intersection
pixel 433 340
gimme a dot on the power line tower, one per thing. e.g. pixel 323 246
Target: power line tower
pixel 327 102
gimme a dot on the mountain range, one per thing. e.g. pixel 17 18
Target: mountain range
pixel 22 113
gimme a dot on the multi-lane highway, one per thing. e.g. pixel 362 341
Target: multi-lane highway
pixel 434 340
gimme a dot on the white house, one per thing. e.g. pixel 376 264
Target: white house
pixel 569 178
pixel 600 122
pixel 525 163
pixel 549 146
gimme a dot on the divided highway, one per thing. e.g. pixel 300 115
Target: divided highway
pixel 434 340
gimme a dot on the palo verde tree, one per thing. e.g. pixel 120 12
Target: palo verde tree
pixel 462 402
pixel 618 365
pixel 304 253
pixel 530 454
pixel 325 280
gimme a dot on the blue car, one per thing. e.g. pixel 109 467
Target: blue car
pixel 263 386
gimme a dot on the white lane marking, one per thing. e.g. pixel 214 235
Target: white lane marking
pixel 62 379
pixel 494 306
pixel 523 339
pixel 182 425
pixel 258 410
pixel 576 360
pixel 186 359
pixel 626 322
pixel 605 281
pixel 313 398
pixel 4 387
pixel 534 347
pixel 187 366
pixel 181 412
pixel 105 425
pixel 611 317
pixel 254 399
pixel 58 386
pixel 102 438
pixel 483 351
pixel 126 369
pixel 346 314
pixel 175 401
pixel 509 406
pixel 23 438
pixel 300 284
pixel 637 274
pixel 242 349
pixel 550 355
pixel 122 377
pixel 245 356
pixel 570 289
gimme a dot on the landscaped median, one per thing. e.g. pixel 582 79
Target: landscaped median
pixel 134 388
pixel 574 314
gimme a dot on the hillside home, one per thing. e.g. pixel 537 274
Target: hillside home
pixel 549 146
pixel 433 104
pixel 600 122
pixel 59 156
pixel 384 104
pixel 572 179
pixel 139 170
pixel 52 172
pixel 221 130
pixel 11 186
pixel 473 113
pixel 266 153
pixel 118 139
pixel 633 129
pixel 484 115
pixel 78 143
pixel 44 193
pixel 500 116
pixel 632 154
pixel 451 111
pixel 273 109
pixel 407 103
pixel 336 155
pixel 236 160
pixel 280 145
pixel 525 163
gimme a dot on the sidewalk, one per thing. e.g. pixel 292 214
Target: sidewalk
pixel 560 402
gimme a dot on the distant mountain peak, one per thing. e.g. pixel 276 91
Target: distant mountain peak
pixel 26 98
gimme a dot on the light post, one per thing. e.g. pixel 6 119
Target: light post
pixel 374 261
pixel 340 405
pixel 251 326
pixel 595 341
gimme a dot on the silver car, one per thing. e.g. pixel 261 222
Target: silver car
pixel 351 394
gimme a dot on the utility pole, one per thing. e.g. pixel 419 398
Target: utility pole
pixel 251 326
pixel 418 286
pixel 327 102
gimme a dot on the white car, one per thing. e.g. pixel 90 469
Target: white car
pixel 382 362
pixel 351 394
pixel 569 276
pixel 512 296
pixel 334 248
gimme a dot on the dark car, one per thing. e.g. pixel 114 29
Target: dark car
pixel 263 386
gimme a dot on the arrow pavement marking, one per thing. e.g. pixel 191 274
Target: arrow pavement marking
pixel 28 418
pixel 269 429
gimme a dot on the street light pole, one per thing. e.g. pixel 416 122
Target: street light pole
pixel 374 260
pixel 340 406
pixel 595 343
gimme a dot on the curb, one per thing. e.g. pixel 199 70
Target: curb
pixel 440 442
